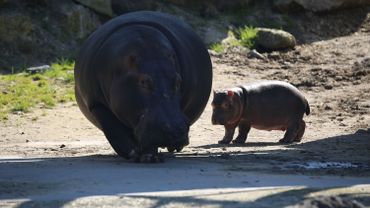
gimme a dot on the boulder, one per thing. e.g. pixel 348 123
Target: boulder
pixel 76 20
pixel 101 6
pixel 112 8
pixel 15 27
pixel 125 6
pixel 220 5
pixel 273 39
pixel 317 6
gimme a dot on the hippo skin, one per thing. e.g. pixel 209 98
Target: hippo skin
pixel 266 105
pixel 143 78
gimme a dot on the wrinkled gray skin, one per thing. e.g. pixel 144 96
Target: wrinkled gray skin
pixel 267 105
pixel 143 78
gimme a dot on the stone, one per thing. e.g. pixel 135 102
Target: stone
pixel 101 6
pixel 316 6
pixel 254 54
pixel 273 39
pixel 15 27
pixel 124 6
pixel 38 69
pixel 76 20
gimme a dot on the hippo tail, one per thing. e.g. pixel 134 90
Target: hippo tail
pixel 308 110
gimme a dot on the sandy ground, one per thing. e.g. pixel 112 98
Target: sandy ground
pixel 55 157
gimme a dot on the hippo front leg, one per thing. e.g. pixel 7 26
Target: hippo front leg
pixel 244 129
pixel 229 134
pixel 119 136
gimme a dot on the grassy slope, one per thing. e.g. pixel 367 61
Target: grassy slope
pixel 21 92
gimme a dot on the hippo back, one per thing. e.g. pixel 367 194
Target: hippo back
pixel 192 57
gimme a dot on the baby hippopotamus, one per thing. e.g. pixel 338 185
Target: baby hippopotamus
pixel 265 105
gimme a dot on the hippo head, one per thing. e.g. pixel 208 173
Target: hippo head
pixel 145 93
pixel 227 107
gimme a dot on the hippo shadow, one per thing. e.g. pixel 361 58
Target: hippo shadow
pixel 351 149
pixel 55 182
pixel 246 144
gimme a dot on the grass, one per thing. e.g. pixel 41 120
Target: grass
pixel 247 36
pixel 217 47
pixel 21 92
pixel 244 36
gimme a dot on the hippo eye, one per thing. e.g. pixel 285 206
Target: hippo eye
pixel 146 82
pixel 178 80
pixel 227 105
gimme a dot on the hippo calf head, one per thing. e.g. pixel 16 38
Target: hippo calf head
pixel 227 107
pixel 145 91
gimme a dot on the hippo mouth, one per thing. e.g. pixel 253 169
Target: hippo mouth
pixel 177 145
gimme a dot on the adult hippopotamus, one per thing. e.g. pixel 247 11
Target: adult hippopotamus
pixel 266 105
pixel 143 78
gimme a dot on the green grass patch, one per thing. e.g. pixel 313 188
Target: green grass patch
pixel 217 47
pixel 21 92
pixel 244 36
pixel 247 36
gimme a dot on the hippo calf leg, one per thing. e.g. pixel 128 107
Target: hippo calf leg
pixel 291 133
pixel 301 129
pixel 229 134
pixel 244 129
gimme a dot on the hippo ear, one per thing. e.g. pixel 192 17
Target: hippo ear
pixel 230 93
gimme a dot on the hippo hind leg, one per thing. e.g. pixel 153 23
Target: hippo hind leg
pixel 291 133
pixel 244 129
pixel 300 132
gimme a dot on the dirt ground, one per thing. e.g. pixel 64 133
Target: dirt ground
pixel 333 74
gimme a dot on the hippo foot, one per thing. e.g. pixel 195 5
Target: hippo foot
pixel 172 149
pixel 238 141
pixel 223 141
pixel 146 158
pixel 285 141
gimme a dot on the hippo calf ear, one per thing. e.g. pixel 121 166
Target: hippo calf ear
pixel 230 93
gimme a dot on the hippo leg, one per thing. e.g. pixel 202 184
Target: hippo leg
pixel 291 133
pixel 244 129
pixel 119 136
pixel 301 129
pixel 229 134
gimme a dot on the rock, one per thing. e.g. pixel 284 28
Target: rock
pixel 38 69
pixel 316 6
pixel 76 20
pixel 273 39
pixel 3 2
pixel 101 6
pixel 254 54
pixel 328 202
pixel 15 27
pixel 220 5
pixel 124 6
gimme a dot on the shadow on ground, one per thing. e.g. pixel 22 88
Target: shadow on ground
pixel 56 182
pixel 351 149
